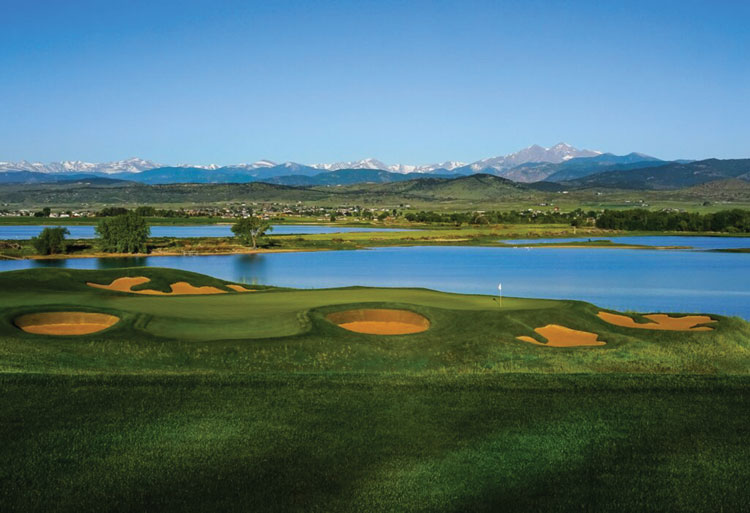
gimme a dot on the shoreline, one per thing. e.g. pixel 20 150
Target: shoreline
pixel 311 250
pixel 613 246
pixel 160 254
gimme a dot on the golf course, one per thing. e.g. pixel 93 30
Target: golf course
pixel 157 389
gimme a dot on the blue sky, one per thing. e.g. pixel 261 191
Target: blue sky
pixel 412 82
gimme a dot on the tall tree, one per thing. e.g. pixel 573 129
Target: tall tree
pixel 126 233
pixel 249 229
pixel 50 241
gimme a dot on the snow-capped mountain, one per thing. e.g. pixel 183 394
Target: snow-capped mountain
pixel 132 165
pixel 355 164
pixel 535 153
pixel 448 165
pixel 371 163
pixel 258 164
pixel 24 165
pixel 208 167
pixel 559 153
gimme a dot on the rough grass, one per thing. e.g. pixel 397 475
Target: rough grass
pixel 371 443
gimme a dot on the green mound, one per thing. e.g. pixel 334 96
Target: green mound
pixel 48 280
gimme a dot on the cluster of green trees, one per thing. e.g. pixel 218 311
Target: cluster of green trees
pixel 144 211
pixel 729 221
pixel 576 217
pixel 249 229
pixel 128 232
pixel 125 233
pixel 51 241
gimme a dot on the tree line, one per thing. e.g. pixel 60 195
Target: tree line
pixel 575 217
pixel 128 232
pixel 143 211
pixel 727 221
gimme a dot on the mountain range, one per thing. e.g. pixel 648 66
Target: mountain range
pixel 266 168
pixel 556 168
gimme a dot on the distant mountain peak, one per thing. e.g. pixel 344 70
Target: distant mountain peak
pixel 368 163
pixel 131 165
pixel 534 153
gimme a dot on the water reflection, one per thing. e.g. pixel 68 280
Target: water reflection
pixel 19 232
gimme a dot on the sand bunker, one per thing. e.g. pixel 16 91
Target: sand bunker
pixel 560 336
pixel 240 288
pixel 65 323
pixel 178 288
pixel 660 322
pixel 380 321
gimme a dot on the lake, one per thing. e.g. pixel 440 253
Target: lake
pixel 622 279
pixel 20 232
pixel 701 243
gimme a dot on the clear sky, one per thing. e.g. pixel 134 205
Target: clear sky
pixel 411 82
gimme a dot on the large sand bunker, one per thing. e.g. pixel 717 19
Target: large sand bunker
pixel 65 323
pixel 560 336
pixel 178 288
pixel 660 322
pixel 375 321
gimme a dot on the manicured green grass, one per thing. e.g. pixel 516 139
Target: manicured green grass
pixel 255 402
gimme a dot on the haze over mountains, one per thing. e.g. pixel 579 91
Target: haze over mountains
pixel 559 164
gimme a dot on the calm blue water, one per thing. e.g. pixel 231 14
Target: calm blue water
pixel 18 232
pixel 672 281
pixel 656 240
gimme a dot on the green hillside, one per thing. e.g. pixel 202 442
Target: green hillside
pixel 479 187
pixel 668 176
pixel 470 188
pixel 473 192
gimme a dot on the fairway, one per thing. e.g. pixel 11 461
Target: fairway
pixel 264 401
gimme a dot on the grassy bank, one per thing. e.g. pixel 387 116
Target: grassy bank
pixel 419 236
